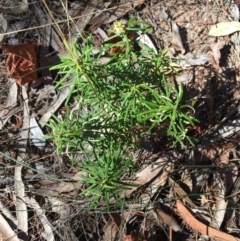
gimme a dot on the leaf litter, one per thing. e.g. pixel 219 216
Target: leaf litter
pixel 195 187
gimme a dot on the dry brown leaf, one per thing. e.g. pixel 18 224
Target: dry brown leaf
pixel 21 62
pixel 111 229
pixel 116 218
pixel 144 176
pixel 181 193
pixel 192 222
pixel 167 218
pixel 57 188
pixel 224 28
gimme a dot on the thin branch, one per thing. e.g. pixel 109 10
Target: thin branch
pixel 21 208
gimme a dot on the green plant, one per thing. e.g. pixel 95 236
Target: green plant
pixel 104 170
pixel 166 107
pixel 130 90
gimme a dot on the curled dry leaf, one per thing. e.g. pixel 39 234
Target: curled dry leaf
pixel 224 28
pixel 21 62
pixel 202 228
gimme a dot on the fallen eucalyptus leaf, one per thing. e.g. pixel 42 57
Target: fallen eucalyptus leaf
pixel 21 62
pixel 200 227
pixel 37 134
pixel 224 28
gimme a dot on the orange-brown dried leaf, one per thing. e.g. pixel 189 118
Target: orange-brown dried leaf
pixel 200 227
pixel 121 48
pixel 21 63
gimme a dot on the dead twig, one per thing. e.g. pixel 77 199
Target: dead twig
pixel 21 208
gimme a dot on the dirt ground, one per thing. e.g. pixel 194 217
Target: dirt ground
pixel 183 194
